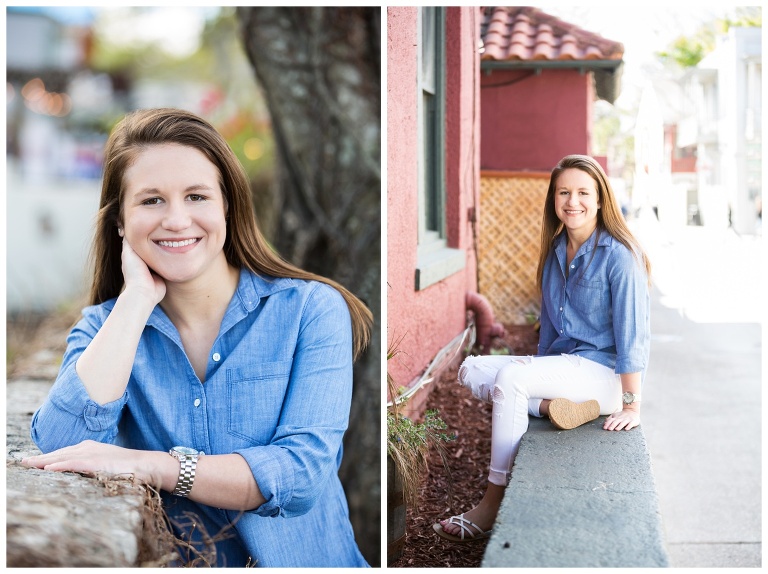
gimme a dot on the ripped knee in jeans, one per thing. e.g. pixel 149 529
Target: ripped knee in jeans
pixel 479 373
pixel 474 363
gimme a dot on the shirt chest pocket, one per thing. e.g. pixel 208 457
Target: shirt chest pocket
pixel 590 296
pixel 255 400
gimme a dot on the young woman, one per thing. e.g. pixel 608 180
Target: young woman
pixel 594 340
pixel 206 366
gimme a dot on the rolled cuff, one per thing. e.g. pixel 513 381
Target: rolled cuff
pixel 626 365
pixel 273 471
pixel 69 415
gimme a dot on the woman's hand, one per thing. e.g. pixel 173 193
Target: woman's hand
pixel 90 456
pixel 223 481
pixel 625 419
pixel 139 277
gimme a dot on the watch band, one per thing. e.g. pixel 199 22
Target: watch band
pixel 187 467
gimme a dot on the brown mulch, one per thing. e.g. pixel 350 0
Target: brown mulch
pixel 441 496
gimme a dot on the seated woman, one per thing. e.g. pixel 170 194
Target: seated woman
pixel 206 366
pixel 595 333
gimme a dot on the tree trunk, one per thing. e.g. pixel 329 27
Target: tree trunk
pixel 320 70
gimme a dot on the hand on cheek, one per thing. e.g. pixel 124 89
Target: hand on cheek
pixel 138 276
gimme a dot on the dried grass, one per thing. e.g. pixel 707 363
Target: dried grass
pixel 159 547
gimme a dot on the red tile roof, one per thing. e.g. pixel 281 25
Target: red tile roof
pixel 525 33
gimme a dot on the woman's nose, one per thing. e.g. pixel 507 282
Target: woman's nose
pixel 176 217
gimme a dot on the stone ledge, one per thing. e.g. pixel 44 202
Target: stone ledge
pixel 69 520
pixel 579 498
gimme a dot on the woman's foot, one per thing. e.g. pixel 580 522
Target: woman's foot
pixel 469 531
pixel 482 516
pixel 567 415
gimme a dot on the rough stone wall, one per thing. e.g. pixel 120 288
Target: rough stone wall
pixel 65 519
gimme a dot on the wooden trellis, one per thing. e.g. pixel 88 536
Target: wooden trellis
pixel 511 207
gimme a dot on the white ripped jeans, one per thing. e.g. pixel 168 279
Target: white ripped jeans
pixel 517 385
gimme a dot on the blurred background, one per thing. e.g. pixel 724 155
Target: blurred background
pixel 685 131
pixel 295 92
pixel 71 74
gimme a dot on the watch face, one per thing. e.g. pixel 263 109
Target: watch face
pixel 628 398
pixel 184 450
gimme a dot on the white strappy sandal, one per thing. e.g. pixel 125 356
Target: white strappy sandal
pixel 469 530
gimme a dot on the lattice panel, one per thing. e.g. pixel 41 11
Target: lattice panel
pixel 509 243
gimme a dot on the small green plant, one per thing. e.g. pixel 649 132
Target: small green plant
pixel 408 445
pixel 409 442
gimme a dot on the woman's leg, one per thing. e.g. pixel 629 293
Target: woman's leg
pixel 517 384
pixel 478 374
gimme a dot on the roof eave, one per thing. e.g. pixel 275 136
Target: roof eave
pixel 607 73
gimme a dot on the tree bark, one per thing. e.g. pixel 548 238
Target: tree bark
pixel 320 71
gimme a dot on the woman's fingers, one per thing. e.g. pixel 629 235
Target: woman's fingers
pixel 622 421
pixel 53 457
pixel 138 274
pixel 87 456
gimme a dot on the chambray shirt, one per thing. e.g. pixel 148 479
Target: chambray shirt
pixel 277 392
pixel 601 310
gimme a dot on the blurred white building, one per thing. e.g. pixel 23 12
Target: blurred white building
pixel 53 163
pixel 724 126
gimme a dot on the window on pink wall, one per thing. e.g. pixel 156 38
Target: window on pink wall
pixel 436 260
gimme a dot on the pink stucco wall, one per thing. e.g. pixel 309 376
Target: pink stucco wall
pixel 425 321
pixel 531 121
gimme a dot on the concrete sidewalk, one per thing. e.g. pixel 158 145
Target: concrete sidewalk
pixel 702 396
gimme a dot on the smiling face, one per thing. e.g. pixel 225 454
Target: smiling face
pixel 174 213
pixel 577 202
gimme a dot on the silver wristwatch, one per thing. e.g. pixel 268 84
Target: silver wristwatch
pixel 630 398
pixel 187 458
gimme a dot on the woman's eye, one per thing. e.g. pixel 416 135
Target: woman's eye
pixel 196 197
pixel 151 201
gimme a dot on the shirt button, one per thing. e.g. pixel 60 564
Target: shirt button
pixel 561 331
pixel 216 357
pixel 197 402
pixel 573 266
pixel 561 308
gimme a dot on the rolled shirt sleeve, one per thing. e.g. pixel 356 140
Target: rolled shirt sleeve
pixel 631 312
pixel 292 470
pixel 69 416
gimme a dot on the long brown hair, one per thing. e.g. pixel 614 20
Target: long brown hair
pixel 609 216
pixel 244 246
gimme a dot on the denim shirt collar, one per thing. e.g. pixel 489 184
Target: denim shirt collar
pixel 605 239
pixel 251 288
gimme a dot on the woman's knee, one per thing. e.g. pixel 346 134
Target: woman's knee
pixel 478 374
pixel 513 372
pixel 469 366
pixel 511 378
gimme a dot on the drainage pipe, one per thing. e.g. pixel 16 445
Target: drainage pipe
pixel 486 327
